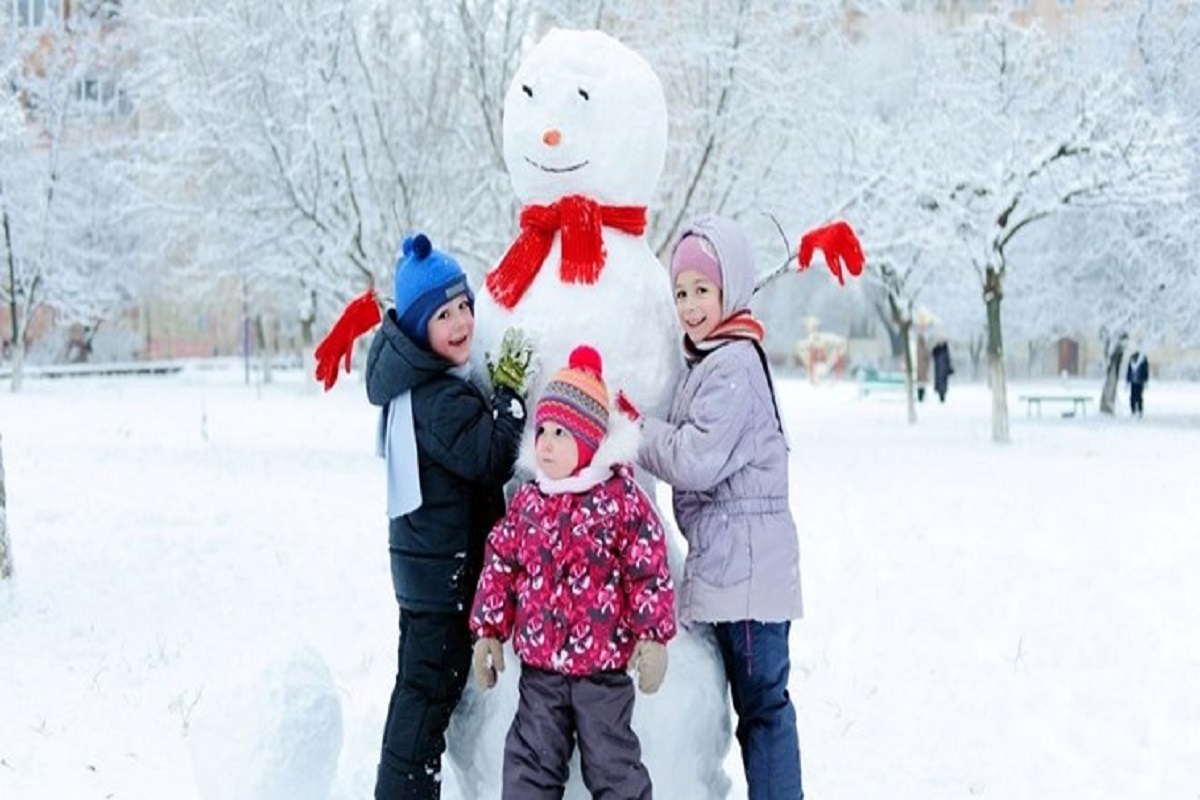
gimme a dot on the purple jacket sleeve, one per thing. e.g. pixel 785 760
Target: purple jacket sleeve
pixel 701 450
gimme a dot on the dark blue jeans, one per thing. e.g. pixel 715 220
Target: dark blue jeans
pixel 757 666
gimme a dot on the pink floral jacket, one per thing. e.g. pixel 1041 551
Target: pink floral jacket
pixel 577 577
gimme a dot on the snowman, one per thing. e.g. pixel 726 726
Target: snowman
pixel 585 137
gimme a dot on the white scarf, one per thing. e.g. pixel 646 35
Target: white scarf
pixel 396 443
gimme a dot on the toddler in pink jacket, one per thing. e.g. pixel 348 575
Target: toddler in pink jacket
pixel 576 573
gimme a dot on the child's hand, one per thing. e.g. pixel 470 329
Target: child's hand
pixel 486 660
pixel 650 661
pixel 512 369
pixel 626 407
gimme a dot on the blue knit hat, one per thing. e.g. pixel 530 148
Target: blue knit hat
pixel 426 279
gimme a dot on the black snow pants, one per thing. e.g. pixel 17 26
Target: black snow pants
pixel 434 659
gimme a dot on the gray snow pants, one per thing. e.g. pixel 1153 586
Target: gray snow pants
pixel 553 709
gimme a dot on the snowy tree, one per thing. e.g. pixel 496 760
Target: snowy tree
pixel 68 233
pixel 1127 268
pixel 738 143
pixel 291 146
pixel 761 130
pixel 299 143
pixel 897 129
pixel 1167 36
pixel 1038 134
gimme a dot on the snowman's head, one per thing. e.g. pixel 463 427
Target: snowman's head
pixel 584 115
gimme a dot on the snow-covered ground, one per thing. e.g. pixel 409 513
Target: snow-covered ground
pixel 983 621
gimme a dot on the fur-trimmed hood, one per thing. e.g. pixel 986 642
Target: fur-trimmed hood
pixel 619 446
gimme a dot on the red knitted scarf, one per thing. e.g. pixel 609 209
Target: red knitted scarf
pixel 579 219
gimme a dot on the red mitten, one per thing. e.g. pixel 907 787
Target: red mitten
pixel 840 246
pixel 626 407
pixel 359 316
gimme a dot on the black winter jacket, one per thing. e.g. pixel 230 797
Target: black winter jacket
pixel 1138 371
pixel 466 449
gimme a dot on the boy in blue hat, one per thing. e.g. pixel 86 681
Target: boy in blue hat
pixel 450 448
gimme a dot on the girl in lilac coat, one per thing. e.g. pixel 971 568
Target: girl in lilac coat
pixel 722 449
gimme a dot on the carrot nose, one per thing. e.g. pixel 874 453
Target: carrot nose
pixel 552 137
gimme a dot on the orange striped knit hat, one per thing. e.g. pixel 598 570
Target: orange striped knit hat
pixel 577 399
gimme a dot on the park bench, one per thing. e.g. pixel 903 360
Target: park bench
pixel 871 379
pixel 1078 403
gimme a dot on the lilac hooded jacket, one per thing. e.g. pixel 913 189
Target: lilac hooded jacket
pixel 723 453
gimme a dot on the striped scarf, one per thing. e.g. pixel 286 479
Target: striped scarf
pixel 739 325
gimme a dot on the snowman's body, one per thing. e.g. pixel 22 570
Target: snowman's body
pixel 586 116
pixel 628 315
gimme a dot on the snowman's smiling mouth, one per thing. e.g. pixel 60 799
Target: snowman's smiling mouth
pixel 545 168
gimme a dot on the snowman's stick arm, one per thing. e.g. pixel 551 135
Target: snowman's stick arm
pixel 769 277
pixel 843 238
pixel 837 241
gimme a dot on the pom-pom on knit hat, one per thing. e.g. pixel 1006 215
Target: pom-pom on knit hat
pixel 577 399
pixel 696 253
pixel 426 279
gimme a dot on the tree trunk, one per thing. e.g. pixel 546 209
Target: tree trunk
pixel 902 319
pixel 308 320
pixel 975 349
pixel 992 295
pixel 1112 378
pixel 6 566
pixel 264 353
pixel 18 335
pixel 905 333
pixel 145 323
pixel 18 364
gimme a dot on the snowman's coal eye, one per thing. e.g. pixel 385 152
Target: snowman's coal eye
pixel 525 88
pixel 583 93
